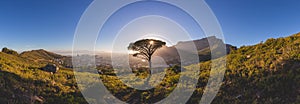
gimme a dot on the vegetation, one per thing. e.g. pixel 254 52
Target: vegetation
pixel 9 51
pixel 268 72
pixel 145 48
pixel 21 80
pixel 264 73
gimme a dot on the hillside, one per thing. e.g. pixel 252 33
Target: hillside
pixel 268 72
pixel 40 55
pixel 43 57
pixel 21 80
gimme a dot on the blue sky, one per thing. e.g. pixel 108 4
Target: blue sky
pixel 247 22
pixel 149 20
pixel 50 24
pixel 34 24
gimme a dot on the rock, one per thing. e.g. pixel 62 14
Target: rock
pixel 36 98
pixel 239 96
pixel 248 56
pixel 51 68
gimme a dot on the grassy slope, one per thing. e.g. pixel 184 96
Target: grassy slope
pixel 263 73
pixel 268 72
pixel 20 79
pixel 39 54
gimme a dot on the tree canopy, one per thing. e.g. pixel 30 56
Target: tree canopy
pixel 145 48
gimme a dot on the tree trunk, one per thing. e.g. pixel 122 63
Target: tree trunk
pixel 150 66
pixel 149 72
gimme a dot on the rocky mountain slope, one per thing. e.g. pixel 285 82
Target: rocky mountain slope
pixel 171 55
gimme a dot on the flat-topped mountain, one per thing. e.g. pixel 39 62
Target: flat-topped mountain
pixel 203 47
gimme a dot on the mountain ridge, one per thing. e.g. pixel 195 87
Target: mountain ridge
pixel 203 47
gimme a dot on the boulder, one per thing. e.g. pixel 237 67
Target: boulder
pixel 50 68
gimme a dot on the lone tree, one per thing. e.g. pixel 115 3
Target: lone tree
pixel 145 48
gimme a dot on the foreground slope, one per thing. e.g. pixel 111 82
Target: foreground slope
pixel 21 81
pixel 268 72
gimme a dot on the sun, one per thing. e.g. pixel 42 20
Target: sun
pixel 131 52
pixel 157 37
pixel 151 42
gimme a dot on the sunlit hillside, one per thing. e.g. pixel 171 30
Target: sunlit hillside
pixel 268 72
pixel 22 81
